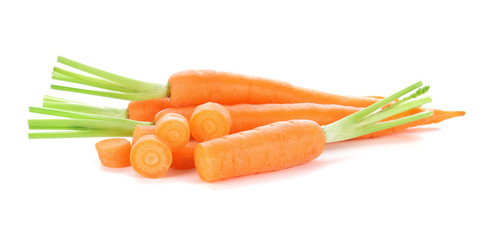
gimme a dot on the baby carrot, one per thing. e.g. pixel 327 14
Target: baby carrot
pixel 142 130
pixel 114 152
pixel 208 121
pixel 174 129
pixel 183 157
pixel 288 143
pixel 150 156
pixel 195 87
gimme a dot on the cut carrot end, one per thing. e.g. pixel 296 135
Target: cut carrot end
pixel 150 156
pixel 174 129
pixel 114 152
pixel 209 121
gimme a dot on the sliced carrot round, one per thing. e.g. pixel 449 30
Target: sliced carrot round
pixel 174 129
pixel 209 121
pixel 150 156
pixel 114 152
pixel 142 130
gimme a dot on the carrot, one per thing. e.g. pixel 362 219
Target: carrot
pixel 114 152
pixel 289 143
pixel 174 129
pixel 183 157
pixel 146 110
pixel 248 116
pixel 150 156
pixel 208 121
pixel 195 87
pixel 142 130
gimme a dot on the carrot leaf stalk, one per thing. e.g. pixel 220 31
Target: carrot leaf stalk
pixel 119 87
pixel 370 119
pixel 79 124
pixel 72 106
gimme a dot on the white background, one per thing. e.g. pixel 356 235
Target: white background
pixel 424 183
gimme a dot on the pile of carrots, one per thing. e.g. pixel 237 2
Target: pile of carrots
pixel 223 124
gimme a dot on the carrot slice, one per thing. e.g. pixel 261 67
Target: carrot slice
pixel 142 130
pixel 114 152
pixel 174 129
pixel 183 157
pixel 150 156
pixel 209 121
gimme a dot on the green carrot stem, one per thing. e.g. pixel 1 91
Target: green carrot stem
pixel 124 81
pixel 77 134
pixel 118 95
pixel 368 120
pixel 67 76
pixel 67 105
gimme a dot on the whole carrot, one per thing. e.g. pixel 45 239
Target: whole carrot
pixel 288 143
pixel 249 116
pixel 195 87
pixel 146 110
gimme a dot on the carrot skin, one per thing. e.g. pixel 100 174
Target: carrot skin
pixel 194 87
pixel 267 148
pixel 114 152
pixel 183 157
pixel 146 110
pixel 142 130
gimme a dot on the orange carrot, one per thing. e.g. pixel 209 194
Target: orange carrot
pixel 174 128
pixel 142 130
pixel 146 110
pixel 195 87
pixel 114 152
pixel 150 156
pixel 249 116
pixel 263 149
pixel 183 157
pixel 285 144
pixel 208 121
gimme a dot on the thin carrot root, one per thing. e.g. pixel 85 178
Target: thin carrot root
pixel 150 156
pixel 183 157
pixel 209 121
pixel 242 153
pixel 174 129
pixel 114 152
pixel 142 130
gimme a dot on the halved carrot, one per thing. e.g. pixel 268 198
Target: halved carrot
pixel 183 157
pixel 114 152
pixel 174 129
pixel 150 156
pixel 208 121
pixel 146 110
pixel 142 130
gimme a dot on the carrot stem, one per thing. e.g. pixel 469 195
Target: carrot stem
pixel 122 87
pixel 80 124
pixel 369 119
pixel 72 106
